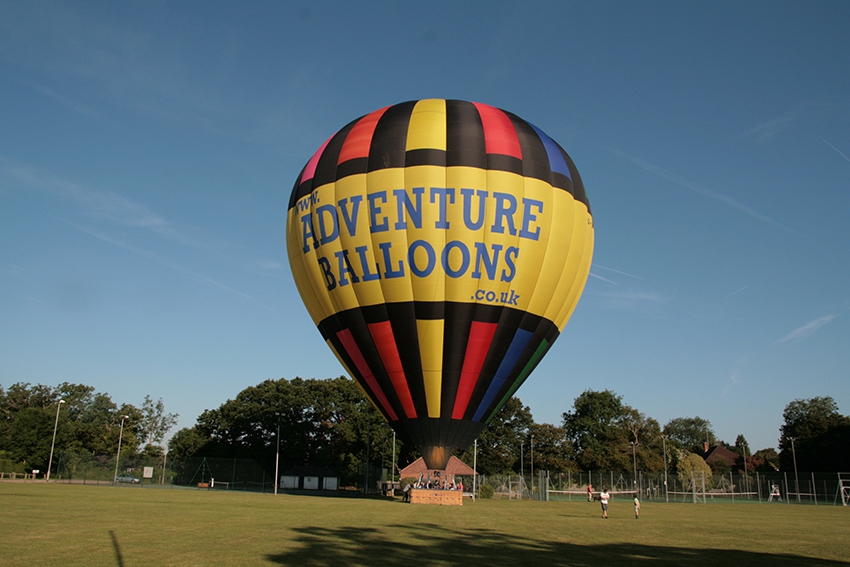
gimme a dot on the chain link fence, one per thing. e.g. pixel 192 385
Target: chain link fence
pixel 803 488
pixel 258 476
pixel 195 472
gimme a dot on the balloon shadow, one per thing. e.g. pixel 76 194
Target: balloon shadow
pixel 428 544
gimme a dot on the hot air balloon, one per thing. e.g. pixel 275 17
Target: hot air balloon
pixel 440 246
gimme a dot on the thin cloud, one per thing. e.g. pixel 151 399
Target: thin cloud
pixel 768 129
pixel 805 331
pixel 106 205
pixel 633 300
pixel 191 274
pixel 714 195
pixel 67 103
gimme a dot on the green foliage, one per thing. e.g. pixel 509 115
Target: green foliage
pixel 691 468
pixel 499 445
pixel 154 422
pixel 88 422
pixel 594 428
pixel 322 423
pixel 720 467
pixel 741 446
pixel 602 430
pixel 552 451
pixel 764 460
pixel 690 433
pixel 821 436
pixel 486 491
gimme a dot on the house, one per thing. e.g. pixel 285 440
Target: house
pixel 454 468
pixel 719 453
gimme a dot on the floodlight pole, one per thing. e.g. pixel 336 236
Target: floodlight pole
pixel 118 454
pixel 634 465
pixel 664 446
pixel 277 455
pixel 392 477
pixel 52 443
pixel 521 467
pixel 475 469
pixel 532 467
pixel 796 478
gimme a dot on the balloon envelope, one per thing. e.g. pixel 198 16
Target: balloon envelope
pixel 440 246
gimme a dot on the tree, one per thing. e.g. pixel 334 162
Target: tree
pixel 764 460
pixel 552 451
pixel 741 446
pixel 690 433
pixel 88 422
pixel 499 444
pixel 821 436
pixel 321 423
pixel 187 442
pixel 155 423
pixel 600 429
pixel 692 470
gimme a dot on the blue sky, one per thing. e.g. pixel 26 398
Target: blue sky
pixel 148 149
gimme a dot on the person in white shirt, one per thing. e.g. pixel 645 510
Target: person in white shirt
pixel 603 498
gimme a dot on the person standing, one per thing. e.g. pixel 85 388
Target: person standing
pixel 603 498
pixel 637 508
pixel 589 492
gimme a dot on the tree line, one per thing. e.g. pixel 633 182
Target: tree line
pixel 331 423
pixel 85 421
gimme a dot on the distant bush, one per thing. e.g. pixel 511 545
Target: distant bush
pixel 485 491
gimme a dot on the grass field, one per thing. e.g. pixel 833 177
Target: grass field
pixel 125 526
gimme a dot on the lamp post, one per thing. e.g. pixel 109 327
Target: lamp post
pixel 474 469
pixel 634 465
pixel 521 467
pixel 664 446
pixel 532 466
pixel 52 443
pixel 118 454
pixel 392 478
pixel 796 478
pixel 277 455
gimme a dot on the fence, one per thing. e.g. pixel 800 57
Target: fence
pixel 258 476
pixel 809 488
pixel 214 473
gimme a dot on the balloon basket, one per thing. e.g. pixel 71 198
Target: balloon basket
pixel 436 496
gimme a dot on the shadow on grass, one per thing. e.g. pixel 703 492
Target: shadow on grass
pixel 430 544
pixel 118 556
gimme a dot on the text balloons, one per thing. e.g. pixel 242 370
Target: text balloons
pixel 440 247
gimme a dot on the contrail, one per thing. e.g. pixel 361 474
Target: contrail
pixel 836 149
pixel 592 275
pixel 736 292
pixel 619 272
pixel 725 199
